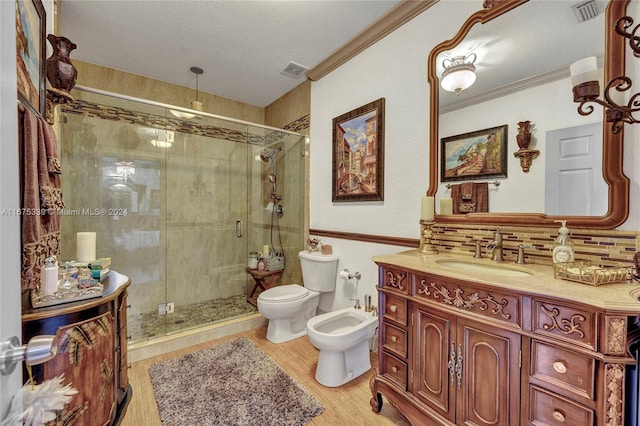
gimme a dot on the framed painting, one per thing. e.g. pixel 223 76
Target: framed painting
pixel 475 155
pixel 30 54
pixel 358 154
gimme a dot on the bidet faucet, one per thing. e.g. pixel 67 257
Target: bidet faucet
pixel 495 247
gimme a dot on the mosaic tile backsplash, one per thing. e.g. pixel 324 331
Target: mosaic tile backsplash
pixel 607 248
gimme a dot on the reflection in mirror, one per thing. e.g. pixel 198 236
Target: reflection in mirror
pixel 514 84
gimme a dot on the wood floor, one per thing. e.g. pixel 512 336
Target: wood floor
pixel 345 405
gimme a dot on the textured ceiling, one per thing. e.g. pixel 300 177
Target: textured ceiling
pixel 242 46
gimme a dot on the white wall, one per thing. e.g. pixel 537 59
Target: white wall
pixel 396 68
pixel 548 107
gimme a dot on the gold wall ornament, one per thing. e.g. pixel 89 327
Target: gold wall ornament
pixel 523 138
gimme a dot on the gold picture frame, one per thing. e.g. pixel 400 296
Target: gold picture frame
pixel 358 154
pixel 30 54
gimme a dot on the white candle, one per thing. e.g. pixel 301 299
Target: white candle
pixel 446 206
pixel 265 250
pixel 85 246
pixel 427 208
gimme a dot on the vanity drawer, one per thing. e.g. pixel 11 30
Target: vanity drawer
pixel 569 323
pixel 394 339
pixel 568 372
pixel 546 408
pixel 394 369
pixel 468 297
pixel 395 309
pixel 395 280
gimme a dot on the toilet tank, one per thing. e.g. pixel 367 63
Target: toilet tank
pixel 319 271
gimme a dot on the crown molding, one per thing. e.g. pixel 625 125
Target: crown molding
pixel 396 17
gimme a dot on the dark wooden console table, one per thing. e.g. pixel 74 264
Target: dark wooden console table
pixel 92 352
pixel 264 281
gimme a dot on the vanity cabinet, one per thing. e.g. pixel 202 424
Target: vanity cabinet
pixel 463 370
pixel 91 339
pixel 456 351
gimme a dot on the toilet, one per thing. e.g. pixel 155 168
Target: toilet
pixel 289 307
pixel 342 337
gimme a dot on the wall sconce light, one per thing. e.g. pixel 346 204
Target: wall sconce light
pixel 587 89
pixel 459 73
pixel 195 105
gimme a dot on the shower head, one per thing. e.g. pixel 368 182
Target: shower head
pixel 269 155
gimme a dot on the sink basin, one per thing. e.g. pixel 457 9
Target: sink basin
pixel 482 268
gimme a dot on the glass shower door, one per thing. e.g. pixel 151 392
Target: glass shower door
pixel 206 220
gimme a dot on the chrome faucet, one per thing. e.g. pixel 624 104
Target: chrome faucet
pixel 495 247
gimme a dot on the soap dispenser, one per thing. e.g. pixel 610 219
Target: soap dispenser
pixel 563 246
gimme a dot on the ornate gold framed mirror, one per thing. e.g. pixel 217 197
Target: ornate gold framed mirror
pixel 612 144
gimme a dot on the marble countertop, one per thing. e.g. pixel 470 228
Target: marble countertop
pixel 616 296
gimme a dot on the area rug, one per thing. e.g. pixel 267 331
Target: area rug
pixel 234 383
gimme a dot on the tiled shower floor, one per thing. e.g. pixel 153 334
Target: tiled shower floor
pixel 149 324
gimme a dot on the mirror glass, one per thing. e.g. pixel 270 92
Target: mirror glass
pixel 523 51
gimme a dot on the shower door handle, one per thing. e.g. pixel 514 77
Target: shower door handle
pixel 239 228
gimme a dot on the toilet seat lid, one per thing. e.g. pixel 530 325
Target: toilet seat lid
pixel 284 293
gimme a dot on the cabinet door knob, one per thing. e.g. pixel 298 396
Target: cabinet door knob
pixel 560 367
pixel 558 416
pixel 394 339
pixel 394 369
pixel 393 308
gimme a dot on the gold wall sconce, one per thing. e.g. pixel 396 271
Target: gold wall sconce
pixel 586 87
pixel 525 154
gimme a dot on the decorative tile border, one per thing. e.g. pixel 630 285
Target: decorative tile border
pixel 608 247
pixel 298 125
pixel 113 113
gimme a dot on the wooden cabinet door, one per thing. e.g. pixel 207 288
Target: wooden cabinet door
pixel 434 378
pixel 86 358
pixel 122 363
pixel 488 392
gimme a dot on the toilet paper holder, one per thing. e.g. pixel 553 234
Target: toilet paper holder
pixel 348 275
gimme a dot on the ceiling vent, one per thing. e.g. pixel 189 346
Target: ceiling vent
pixel 586 10
pixel 294 70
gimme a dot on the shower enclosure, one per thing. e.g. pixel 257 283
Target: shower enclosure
pixel 178 201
